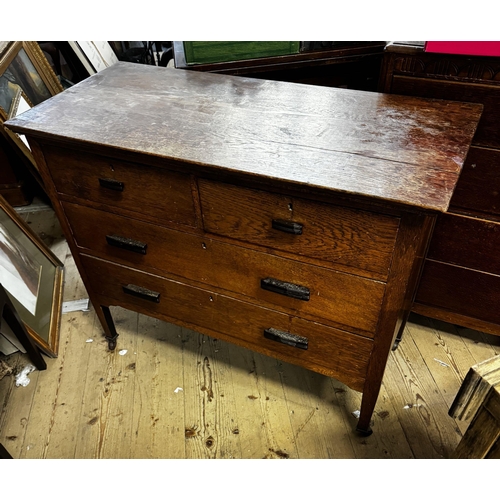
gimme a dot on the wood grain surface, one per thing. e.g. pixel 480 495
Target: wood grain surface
pixel 487 132
pixel 479 183
pixel 177 393
pixel 357 239
pixel 470 242
pixel 336 297
pixel 404 149
pixel 331 351
pixel 162 194
pixel 454 288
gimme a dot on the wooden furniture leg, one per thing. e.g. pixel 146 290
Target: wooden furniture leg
pixel 111 333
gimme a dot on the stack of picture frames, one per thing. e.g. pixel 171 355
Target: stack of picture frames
pixel 26 79
pixel 29 272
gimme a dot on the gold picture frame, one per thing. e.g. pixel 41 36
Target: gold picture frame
pixel 20 103
pixel 32 276
pixel 24 67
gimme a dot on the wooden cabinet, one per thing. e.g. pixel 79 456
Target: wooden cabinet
pixel 289 219
pixel 461 278
pixel 353 65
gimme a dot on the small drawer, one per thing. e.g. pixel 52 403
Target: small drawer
pixel 354 238
pixel 135 189
pixel 327 350
pixel 478 186
pixel 275 282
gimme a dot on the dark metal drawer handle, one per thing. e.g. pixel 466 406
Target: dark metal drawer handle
pixel 142 293
pixel 112 184
pixel 287 226
pixel 285 288
pixel 126 243
pixel 286 338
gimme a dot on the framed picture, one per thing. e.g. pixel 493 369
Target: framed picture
pixel 3 47
pixel 23 64
pixel 20 103
pixel 32 276
pixel 24 68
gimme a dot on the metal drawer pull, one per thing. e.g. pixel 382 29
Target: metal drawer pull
pixel 112 184
pixel 142 293
pixel 126 243
pixel 287 226
pixel 286 338
pixel 285 288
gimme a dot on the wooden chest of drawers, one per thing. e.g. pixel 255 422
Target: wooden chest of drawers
pixel 461 277
pixel 289 219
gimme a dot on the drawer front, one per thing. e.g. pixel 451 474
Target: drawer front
pixel 478 187
pixel 460 290
pixel 136 189
pixel 354 238
pixel 335 352
pixel 466 242
pixel 488 131
pixel 272 281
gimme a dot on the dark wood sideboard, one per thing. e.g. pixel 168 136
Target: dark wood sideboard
pixel 289 219
pixel 461 278
pixel 353 65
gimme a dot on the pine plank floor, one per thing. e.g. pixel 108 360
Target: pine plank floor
pixel 169 392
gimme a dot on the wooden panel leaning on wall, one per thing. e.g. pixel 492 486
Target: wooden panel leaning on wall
pixel 251 177
pixel 26 79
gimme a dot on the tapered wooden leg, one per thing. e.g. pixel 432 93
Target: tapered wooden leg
pixel 108 324
pixel 365 415
pixel 399 336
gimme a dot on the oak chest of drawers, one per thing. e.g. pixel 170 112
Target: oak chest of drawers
pixel 289 219
pixel 461 277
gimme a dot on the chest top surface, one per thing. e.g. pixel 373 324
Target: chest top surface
pixel 400 149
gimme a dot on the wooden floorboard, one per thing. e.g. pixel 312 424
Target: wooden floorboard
pixel 169 392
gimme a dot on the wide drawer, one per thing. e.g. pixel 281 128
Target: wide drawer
pixel 334 352
pixel 464 291
pixel 478 187
pixel 466 242
pixel 353 238
pixel 158 194
pixel 301 289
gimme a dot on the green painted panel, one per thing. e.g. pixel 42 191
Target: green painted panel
pixel 211 52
